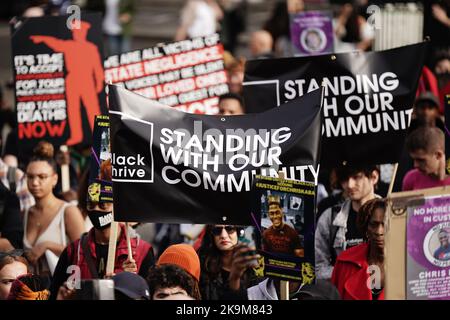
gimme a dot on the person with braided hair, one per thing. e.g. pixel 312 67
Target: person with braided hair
pixel 355 266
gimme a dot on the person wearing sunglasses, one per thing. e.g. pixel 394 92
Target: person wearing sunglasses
pixel 51 222
pixel 226 264
pixel 12 265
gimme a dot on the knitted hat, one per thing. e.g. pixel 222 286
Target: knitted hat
pixel 184 256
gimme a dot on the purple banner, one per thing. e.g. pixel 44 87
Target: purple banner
pixel 312 33
pixel 428 250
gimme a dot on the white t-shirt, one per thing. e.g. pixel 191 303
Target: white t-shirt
pixel 202 19
pixel 111 23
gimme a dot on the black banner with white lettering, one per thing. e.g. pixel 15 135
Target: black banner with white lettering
pixel 175 167
pixel 368 98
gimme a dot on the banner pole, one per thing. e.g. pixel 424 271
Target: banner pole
pixel 391 185
pixel 65 173
pixel 284 285
pixel 112 247
pixel 130 253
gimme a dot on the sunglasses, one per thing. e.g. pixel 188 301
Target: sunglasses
pixel 217 231
pixel 12 253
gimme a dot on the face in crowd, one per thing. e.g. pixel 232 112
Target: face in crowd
pixel 276 215
pixel 230 107
pixel 443 238
pixel 41 178
pixel 375 228
pixel 100 214
pixel 426 162
pixel 174 293
pixel 427 112
pixel 358 186
pixel 8 273
pixel 225 237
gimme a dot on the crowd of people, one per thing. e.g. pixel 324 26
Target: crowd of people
pixel 45 232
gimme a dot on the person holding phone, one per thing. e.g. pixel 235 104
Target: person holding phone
pixel 226 264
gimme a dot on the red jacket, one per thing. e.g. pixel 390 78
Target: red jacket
pixel 350 274
pixel 139 249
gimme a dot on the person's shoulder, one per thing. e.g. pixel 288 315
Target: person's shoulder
pixel 69 207
pixel 413 173
pixel 356 254
pixel 411 178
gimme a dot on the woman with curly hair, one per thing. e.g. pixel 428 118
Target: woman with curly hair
pixel 226 265
pixel 356 265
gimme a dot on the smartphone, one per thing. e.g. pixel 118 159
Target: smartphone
pixel 95 289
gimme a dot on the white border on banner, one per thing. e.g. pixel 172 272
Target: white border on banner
pixel 277 83
pixel 127 116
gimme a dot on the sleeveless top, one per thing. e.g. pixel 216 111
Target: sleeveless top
pixel 55 232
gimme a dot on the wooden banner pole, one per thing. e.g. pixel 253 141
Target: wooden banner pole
pixel 65 173
pixel 284 285
pixel 391 185
pixel 130 253
pixel 112 247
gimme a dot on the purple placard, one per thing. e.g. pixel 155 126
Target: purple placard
pixel 428 250
pixel 312 33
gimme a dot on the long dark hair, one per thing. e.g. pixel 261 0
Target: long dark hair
pixel 210 255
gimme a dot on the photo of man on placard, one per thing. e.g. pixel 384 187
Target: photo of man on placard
pixel 443 252
pixel 280 237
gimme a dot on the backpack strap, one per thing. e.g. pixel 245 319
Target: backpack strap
pixel 88 256
pixel 11 176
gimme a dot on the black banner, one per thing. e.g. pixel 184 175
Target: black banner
pixel 368 98
pixel 176 167
pixel 59 79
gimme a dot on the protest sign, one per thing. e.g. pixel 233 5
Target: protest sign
pixel 447 132
pixel 286 209
pixel 312 33
pixel 59 79
pixel 100 180
pixel 428 249
pixel 413 219
pixel 172 166
pixel 368 98
pixel 188 75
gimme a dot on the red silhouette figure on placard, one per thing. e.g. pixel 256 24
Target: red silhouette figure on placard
pixel 85 77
